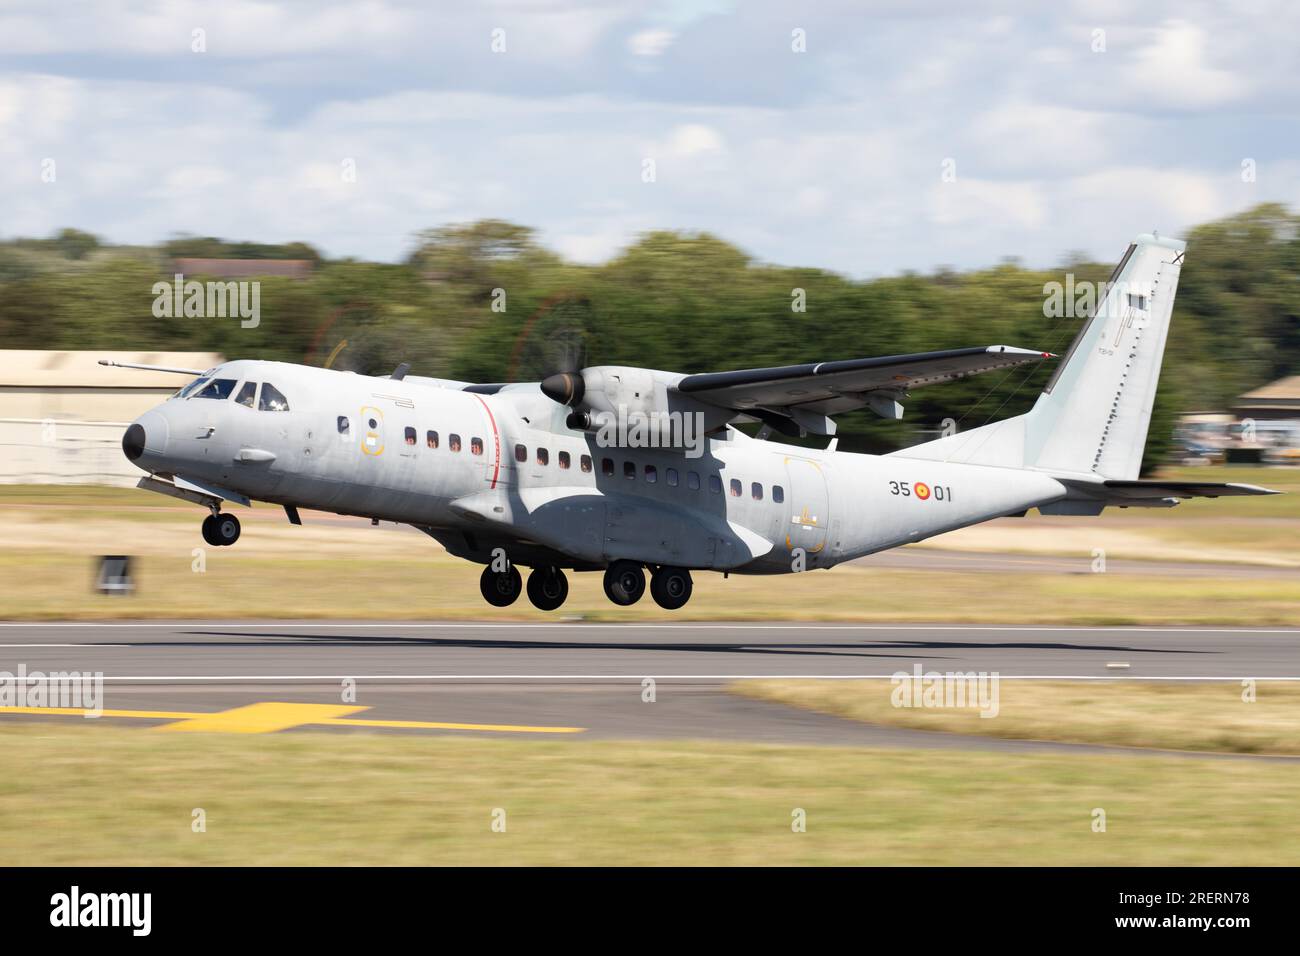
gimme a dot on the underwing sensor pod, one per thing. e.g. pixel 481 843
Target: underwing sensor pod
pixel 624 470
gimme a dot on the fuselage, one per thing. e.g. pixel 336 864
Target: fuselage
pixel 481 470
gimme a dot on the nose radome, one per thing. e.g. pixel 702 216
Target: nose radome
pixel 146 435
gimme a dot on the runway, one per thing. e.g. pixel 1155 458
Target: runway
pixel 589 679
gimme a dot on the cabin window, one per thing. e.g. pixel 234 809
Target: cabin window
pixel 564 460
pixel 756 491
pixel 629 470
pixel 247 392
pixel 543 456
pixel 476 446
pixel 409 434
pixel 715 484
pixel 607 467
pixel 453 442
pixel 431 439
pixel 651 474
pixel 736 487
pixel 585 463
pixel 521 453
pixel 693 480
pixel 272 399
pixel 344 425
pixel 218 388
pixel 670 476
pixel 778 494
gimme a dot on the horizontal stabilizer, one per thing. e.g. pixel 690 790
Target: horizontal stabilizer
pixel 1139 490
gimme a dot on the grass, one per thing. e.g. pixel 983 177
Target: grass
pixel 332 568
pixel 101 795
pixel 1196 716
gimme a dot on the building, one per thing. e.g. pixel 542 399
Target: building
pixel 1278 400
pixel 62 414
pixel 244 268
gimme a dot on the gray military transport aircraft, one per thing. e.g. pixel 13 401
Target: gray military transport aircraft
pixel 620 469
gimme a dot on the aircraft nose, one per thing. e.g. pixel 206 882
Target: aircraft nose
pixel 148 433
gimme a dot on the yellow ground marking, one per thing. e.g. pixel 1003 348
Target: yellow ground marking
pixel 262 718
pixel 269 716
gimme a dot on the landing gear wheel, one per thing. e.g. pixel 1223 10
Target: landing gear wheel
pixel 547 588
pixel 210 532
pixel 225 529
pixel 500 588
pixel 624 582
pixel 671 587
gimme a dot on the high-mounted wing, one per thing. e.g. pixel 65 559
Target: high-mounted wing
pixel 806 392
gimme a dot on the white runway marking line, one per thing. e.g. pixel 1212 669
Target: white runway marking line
pixel 581 625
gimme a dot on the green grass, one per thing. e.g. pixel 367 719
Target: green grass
pixel 99 795
pixel 1184 716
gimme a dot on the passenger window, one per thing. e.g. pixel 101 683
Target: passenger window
pixel 607 467
pixel 476 446
pixel 543 456
pixel 521 453
pixel 344 425
pixel 629 470
pixel 778 494
pixel 651 474
pixel 218 388
pixel 271 399
pixel 431 439
pixel 715 484
pixel 756 491
pixel 671 477
pixel 564 459
pixel 693 480
pixel 247 392
pixel 585 463
pixel 735 487
pixel 453 442
pixel 409 434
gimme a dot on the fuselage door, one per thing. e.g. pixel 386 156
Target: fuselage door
pixel 808 515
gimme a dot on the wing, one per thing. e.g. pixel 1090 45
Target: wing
pixel 809 394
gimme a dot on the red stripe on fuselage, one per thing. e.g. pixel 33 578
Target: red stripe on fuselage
pixel 496 441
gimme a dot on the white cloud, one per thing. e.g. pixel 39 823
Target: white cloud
pixel 1174 70
pixel 650 42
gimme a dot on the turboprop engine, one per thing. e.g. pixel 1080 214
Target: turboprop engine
pixel 634 407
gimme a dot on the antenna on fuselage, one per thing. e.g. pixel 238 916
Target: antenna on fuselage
pixel 399 373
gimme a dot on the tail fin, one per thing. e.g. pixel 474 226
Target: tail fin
pixel 1092 417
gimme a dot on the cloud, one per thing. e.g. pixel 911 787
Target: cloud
pixel 1174 70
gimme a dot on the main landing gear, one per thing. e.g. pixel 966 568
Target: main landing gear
pixel 625 584
pixel 220 530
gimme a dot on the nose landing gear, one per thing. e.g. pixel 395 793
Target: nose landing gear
pixel 220 530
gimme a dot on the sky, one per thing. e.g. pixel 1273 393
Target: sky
pixel 863 137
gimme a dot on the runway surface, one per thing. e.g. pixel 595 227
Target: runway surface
pixel 574 679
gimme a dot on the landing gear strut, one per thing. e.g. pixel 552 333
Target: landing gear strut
pixel 501 588
pixel 547 588
pixel 671 587
pixel 624 582
pixel 220 530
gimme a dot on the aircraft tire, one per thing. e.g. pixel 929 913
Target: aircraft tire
pixel 671 587
pixel 500 588
pixel 547 588
pixel 624 583
pixel 210 532
pixel 225 530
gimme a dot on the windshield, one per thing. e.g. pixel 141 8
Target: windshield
pixel 189 389
pixel 218 388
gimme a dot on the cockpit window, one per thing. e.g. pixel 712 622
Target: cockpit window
pixel 247 391
pixel 218 388
pixel 272 399
pixel 189 389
